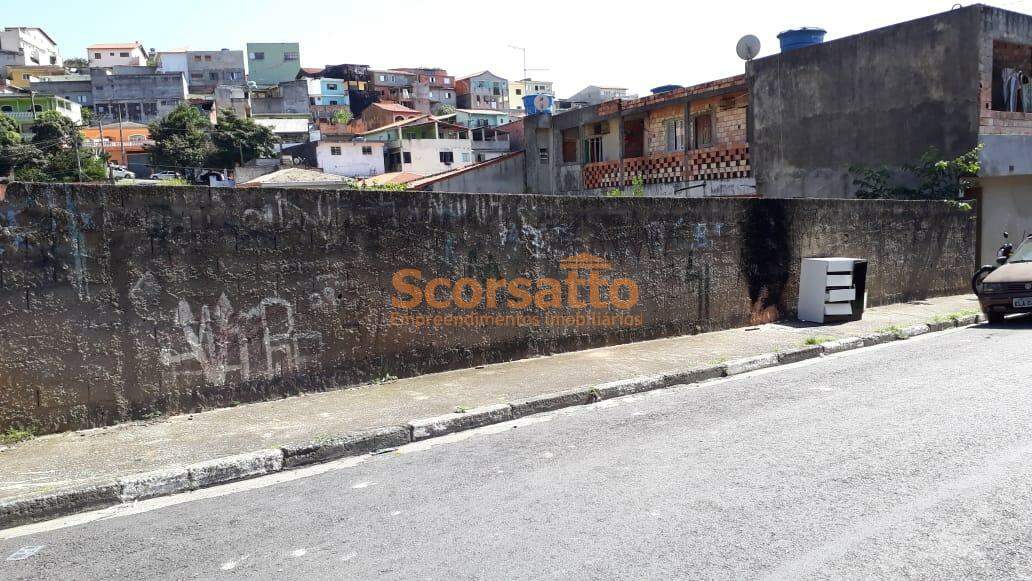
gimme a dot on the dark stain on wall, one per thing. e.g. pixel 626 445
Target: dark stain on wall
pixel 766 252
pixel 119 302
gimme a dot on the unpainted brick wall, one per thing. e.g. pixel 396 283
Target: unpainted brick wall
pixel 119 302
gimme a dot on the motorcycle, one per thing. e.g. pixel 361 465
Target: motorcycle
pixel 1002 255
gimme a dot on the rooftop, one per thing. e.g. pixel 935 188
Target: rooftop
pixel 295 176
pixel 395 107
pixel 129 45
pixel 284 124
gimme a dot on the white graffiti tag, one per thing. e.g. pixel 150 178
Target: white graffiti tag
pixel 220 343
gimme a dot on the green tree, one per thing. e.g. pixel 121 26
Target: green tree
pixel 343 117
pixel 20 155
pixel 76 63
pixel 14 153
pixel 181 138
pixel 9 133
pixel 931 178
pixel 53 131
pixel 239 140
pixel 444 109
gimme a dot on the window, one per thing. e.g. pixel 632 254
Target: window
pixel 7 109
pixel 406 157
pixel 447 157
pixel 197 58
pixel 37 108
pixel 335 150
pixel 383 78
pixel 543 154
pixel 447 80
pixel 136 138
pixel 447 95
pixel 431 94
pixel 570 145
pixel 465 156
pixel 213 76
pixel 291 56
pixel 257 56
pixel 207 58
pixel 25 76
pixel 674 134
pixel 96 55
pixel 197 76
pixel 593 150
pixel 703 130
pixel 367 150
pixel 519 91
pixel 234 75
pixel 124 55
pixel 334 102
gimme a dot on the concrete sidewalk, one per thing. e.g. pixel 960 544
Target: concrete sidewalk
pixel 47 464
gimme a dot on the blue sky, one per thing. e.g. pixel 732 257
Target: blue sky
pixel 637 44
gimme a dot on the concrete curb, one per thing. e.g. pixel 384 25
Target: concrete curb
pixel 176 480
pixel 460 421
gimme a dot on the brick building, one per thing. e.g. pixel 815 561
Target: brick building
pixel 689 141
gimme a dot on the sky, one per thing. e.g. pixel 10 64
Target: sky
pixel 636 44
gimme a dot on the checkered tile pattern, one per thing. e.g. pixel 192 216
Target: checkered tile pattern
pixel 712 163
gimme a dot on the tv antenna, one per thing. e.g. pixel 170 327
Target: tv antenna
pixel 525 69
pixel 748 47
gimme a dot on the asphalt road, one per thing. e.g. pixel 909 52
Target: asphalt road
pixel 909 460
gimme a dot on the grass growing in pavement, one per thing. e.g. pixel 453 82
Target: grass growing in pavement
pixel 954 316
pixel 896 330
pixel 15 435
pixel 817 341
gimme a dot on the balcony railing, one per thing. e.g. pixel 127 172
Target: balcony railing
pixel 712 163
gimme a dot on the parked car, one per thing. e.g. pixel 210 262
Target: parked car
pixel 166 176
pixel 120 172
pixel 1008 289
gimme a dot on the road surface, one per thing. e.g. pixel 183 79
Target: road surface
pixel 906 460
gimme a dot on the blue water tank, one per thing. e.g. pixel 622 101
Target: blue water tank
pixel 801 37
pixel 664 89
pixel 539 103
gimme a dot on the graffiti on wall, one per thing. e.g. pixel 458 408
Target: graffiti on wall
pixel 219 344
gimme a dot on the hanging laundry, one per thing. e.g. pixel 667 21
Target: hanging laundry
pixel 1011 84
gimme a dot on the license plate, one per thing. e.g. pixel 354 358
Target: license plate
pixel 1023 303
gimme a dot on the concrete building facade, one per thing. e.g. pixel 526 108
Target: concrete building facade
pixel 136 96
pixel 74 87
pixel 27 46
pixel 131 54
pixel 483 90
pixel 272 63
pixel 205 69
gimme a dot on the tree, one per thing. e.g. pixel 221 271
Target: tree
pixel 931 178
pixel 9 133
pixel 20 155
pixel 53 131
pixel 76 63
pixel 181 138
pixel 239 140
pixel 343 117
pixel 444 109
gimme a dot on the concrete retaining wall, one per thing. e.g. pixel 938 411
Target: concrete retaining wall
pixel 122 302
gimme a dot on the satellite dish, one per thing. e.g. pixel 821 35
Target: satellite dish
pixel 748 47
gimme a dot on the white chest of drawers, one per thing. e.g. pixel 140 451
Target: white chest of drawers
pixel 832 289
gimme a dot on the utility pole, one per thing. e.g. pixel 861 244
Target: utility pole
pixel 75 144
pixel 121 135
